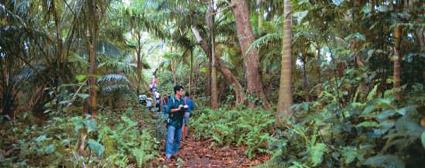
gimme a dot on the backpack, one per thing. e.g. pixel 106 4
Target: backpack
pixel 164 104
pixel 165 109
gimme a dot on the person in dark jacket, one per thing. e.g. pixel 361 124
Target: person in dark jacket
pixel 175 121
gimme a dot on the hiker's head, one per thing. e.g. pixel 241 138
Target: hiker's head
pixel 187 94
pixel 179 90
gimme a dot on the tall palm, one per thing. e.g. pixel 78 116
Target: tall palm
pixel 94 14
pixel 285 92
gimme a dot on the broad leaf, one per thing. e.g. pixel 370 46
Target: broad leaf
pixel 349 153
pixel 367 124
pixel 41 138
pixel 372 93
pixel 81 78
pixel 96 147
pixel 387 161
pixel 423 139
pixel 50 149
pixel 300 15
pixel 90 124
pixel 317 152
pixel 78 123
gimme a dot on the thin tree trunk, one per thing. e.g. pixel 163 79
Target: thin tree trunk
pixel 305 77
pixel 92 40
pixel 59 53
pixel 259 15
pixel 208 89
pixel 420 35
pixel 191 73
pixel 397 58
pixel 214 91
pixel 173 70
pixel 250 58
pixel 228 75
pixel 139 63
pixel 318 65
pixel 285 91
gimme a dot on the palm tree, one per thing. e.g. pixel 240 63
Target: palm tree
pixel 285 92
pixel 397 58
pixel 210 23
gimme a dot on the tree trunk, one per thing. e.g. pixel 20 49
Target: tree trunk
pixel 250 58
pixel 259 15
pixel 139 63
pixel 397 57
pixel 92 40
pixel 319 74
pixel 173 70
pixel 191 72
pixel 420 35
pixel 208 89
pixel 305 78
pixel 285 92
pixel 228 75
pixel 210 22
pixel 59 53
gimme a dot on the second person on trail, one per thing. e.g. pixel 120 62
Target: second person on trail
pixel 190 107
pixel 175 121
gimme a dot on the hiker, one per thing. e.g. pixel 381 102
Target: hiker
pixel 190 106
pixel 154 91
pixel 154 84
pixel 146 101
pixel 175 109
pixel 157 101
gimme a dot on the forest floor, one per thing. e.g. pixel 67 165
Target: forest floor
pixel 202 153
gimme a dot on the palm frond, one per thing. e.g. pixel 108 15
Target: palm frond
pixel 121 63
pixel 27 73
pixel 113 88
pixel 266 39
pixel 113 82
pixel 113 78
pixel 108 49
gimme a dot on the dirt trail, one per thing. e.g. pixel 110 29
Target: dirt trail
pixel 201 153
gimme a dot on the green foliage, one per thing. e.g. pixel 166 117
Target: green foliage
pixel 423 139
pixel 316 153
pixel 386 161
pixel 349 154
pixel 250 127
pixel 371 129
pixel 96 147
pixel 110 142
pixel 147 149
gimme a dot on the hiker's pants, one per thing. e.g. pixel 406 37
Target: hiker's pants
pixel 186 118
pixel 172 143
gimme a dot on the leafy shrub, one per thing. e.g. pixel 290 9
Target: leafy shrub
pixel 114 140
pixel 339 130
pixel 250 127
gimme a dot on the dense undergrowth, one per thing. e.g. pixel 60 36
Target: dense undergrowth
pixel 114 139
pixel 350 125
pixel 248 127
pixel 346 127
